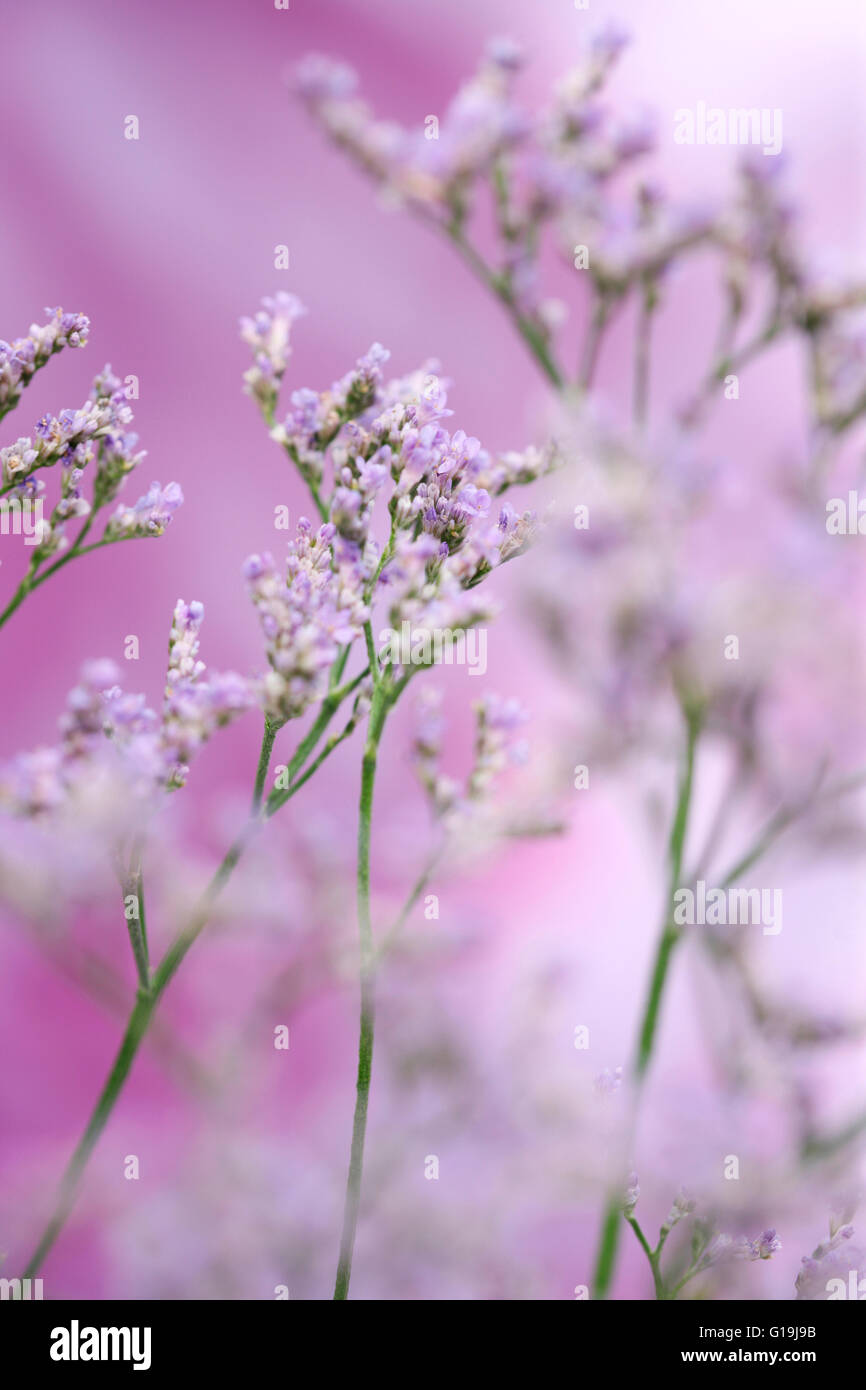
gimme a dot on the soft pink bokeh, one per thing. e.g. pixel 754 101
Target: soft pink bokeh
pixel 164 242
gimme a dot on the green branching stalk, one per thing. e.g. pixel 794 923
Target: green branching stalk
pixel 382 698
pixel 33 578
pixel 150 993
pixel 611 1222
pixel 653 1256
pixel 136 926
pixel 267 748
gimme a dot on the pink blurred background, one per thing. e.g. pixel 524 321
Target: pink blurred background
pixel 165 242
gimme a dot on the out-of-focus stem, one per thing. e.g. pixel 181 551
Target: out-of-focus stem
pixel 643 338
pixel 592 345
pixel 529 332
pixel 611 1221
pixel 652 1256
pixel 415 892
pixel 137 928
pixel 148 998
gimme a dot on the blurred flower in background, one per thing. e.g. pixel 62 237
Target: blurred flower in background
pixel 699 373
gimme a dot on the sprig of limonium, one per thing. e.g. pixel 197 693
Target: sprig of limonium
pixel 707 1248
pixel 572 179
pixel 21 359
pixel 356 445
pixel 93 440
pixel 370 448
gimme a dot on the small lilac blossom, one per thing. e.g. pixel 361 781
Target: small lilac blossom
pixel 367 442
pixel 496 721
pixel 307 614
pixel 632 1193
pixel 149 516
pixel 832 1259
pixel 23 357
pixel 763 1247
pixel 608 1081
pixel 268 333
pixel 683 1206
pixel 112 736
pixel 496 744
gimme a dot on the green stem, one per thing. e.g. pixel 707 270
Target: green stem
pixel 610 1229
pixel 529 332
pixel 267 749
pixel 652 1256
pixel 417 889
pixel 592 345
pixel 147 999
pixel 137 930
pixel 329 707
pixel 378 713
pixel 135 1031
pixel 643 338
pixel 139 1021
pixel 32 580
pixel 607 1247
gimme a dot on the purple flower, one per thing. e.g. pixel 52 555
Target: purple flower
pixel 306 616
pixel 764 1247
pixel 112 737
pixel 23 357
pixel 318 78
pixel 149 516
pixel 268 334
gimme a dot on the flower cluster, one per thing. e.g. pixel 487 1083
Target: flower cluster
pixel 683 1206
pixel 307 614
pixel 113 738
pixel 557 165
pixel 23 357
pixel 363 440
pixel 268 333
pixel 149 516
pixel 497 721
pixel 763 1247
pixel 562 170
pixel 95 436
pixel 832 1259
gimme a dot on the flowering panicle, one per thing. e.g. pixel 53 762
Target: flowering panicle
pixel 557 175
pixel 763 1247
pixel 307 614
pixel 268 333
pixel 110 734
pixel 23 357
pixel 149 516
pixel 95 437
pixel 497 721
pixel 683 1206
pixel 75 437
pixel 831 1259
pixel 362 441
pixel 555 166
